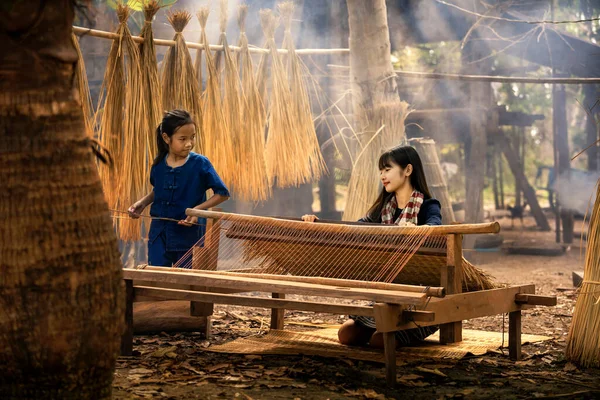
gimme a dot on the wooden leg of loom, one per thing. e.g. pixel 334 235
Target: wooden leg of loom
pixel 127 337
pixel 389 348
pixel 277 314
pixel 514 335
pixel 200 309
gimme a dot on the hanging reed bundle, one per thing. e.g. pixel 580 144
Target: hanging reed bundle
pixel 152 88
pixel 254 185
pixel 287 162
pixel 83 89
pixel 218 145
pixel 120 132
pixel 385 129
pixel 178 78
pixel 583 343
pixel 300 101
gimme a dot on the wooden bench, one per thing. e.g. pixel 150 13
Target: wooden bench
pixel 395 306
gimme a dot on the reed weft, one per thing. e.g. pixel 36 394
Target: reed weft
pixel 178 78
pixel 218 146
pixel 583 342
pixel 83 88
pixel 255 186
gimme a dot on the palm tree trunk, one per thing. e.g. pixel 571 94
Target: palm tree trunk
pixel 61 295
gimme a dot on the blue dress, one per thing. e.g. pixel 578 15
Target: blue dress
pixel 176 189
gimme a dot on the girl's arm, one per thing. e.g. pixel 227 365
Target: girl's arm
pixel 214 201
pixel 138 207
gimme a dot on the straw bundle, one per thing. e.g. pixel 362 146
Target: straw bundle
pixel 120 132
pixel 300 102
pixel 178 78
pixel 83 89
pixel 218 146
pixel 255 185
pixel 385 129
pixel 583 343
pixel 152 89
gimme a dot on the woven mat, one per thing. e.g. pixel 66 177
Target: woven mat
pixel 324 342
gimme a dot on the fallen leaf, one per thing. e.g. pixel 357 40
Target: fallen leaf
pixel 216 367
pixel 162 352
pixel 569 367
pixel 409 377
pixel 252 357
pixel 140 371
pixel 432 371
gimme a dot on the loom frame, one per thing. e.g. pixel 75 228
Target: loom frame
pixel 395 307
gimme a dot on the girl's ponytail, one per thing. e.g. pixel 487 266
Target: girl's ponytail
pixel 171 121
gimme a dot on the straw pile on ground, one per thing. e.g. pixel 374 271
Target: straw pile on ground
pixel 583 343
pixel 83 89
pixel 178 78
pixel 385 129
pixel 256 186
pixel 218 146
pixel 120 131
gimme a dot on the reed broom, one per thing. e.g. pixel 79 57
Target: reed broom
pixel 178 78
pixel 311 155
pixel 385 129
pixel 256 185
pixel 83 88
pixel 218 146
pixel 286 164
pixel 583 342
pixel 152 88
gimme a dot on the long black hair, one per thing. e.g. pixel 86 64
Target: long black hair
pixel 402 156
pixel 172 120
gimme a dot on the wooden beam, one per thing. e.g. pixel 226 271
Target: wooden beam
pixel 248 301
pixel 418 316
pixel 451 279
pixel 389 349
pixel 514 335
pixel 457 307
pixel 535 300
pixel 277 314
pixel 488 227
pixel 127 337
pixel 273 286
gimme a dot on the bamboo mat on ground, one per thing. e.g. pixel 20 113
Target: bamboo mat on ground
pixel 324 342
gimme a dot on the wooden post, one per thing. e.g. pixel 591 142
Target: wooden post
pixel 561 136
pixel 389 349
pixel 127 337
pixel 277 314
pixel 451 279
pixel 387 318
pixel 501 180
pixel 591 96
pixel 514 335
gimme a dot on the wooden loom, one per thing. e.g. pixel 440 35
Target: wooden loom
pixel 453 290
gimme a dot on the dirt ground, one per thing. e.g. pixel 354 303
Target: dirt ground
pixel 177 366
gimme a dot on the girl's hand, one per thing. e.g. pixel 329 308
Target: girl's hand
pixel 136 209
pixel 189 221
pixel 309 218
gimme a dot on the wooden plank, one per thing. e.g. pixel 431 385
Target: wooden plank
pixel 389 349
pixel 535 300
pixel 387 316
pixel 220 298
pixel 458 307
pixel 418 316
pixel 127 337
pixel 277 314
pixel 427 290
pixel 451 279
pixel 488 227
pixel 272 286
pixel 514 335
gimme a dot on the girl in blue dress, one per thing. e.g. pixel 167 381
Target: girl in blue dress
pixel 180 179
pixel 404 200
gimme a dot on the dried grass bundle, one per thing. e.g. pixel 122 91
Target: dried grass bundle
pixel 178 78
pixel 218 146
pixel 83 89
pixel 385 129
pixel 305 127
pixel 152 88
pixel 583 342
pixel 255 185
pixel 120 131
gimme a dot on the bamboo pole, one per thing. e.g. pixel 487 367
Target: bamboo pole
pixel 489 227
pixel 481 78
pixel 428 290
pixel 192 45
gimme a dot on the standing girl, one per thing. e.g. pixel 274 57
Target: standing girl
pixel 180 179
pixel 404 200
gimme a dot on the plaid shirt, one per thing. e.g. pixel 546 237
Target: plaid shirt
pixel 409 213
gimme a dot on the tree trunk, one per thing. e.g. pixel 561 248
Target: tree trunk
pixel 61 290
pixel 513 161
pixel 591 103
pixel 372 76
